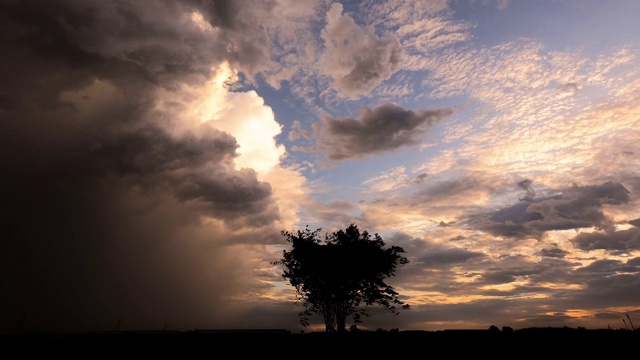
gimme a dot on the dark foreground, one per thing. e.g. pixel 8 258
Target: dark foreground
pixel 529 342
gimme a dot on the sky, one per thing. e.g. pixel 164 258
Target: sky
pixel 153 151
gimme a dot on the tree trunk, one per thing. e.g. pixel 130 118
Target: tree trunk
pixel 342 324
pixel 329 320
pixel 341 320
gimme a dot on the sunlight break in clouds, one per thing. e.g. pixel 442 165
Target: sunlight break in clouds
pixel 242 114
pixel 245 116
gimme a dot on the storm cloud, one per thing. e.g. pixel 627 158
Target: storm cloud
pixel 115 203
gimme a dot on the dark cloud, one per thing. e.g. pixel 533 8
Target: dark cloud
pixel 553 253
pixel 421 178
pixel 379 130
pixel 106 212
pixel 157 39
pixel 602 267
pixel 623 241
pixel 446 190
pixel 516 214
pixel 512 268
pixel 447 256
pixel 525 276
pixel 515 306
pixel 573 208
pixel 526 186
pixel 427 256
pixel 67 46
pixel 570 87
pixel 604 280
pixel 193 169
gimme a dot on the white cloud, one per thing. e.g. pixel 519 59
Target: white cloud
pixel 388 180
pixel 253 125
pixel 242 114
pixel 355 57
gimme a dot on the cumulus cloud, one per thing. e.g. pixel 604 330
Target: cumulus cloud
pixel 382 129
pixel 191 168
pixel 355 57
pixel 242 114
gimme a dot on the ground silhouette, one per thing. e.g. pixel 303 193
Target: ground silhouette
pixel 527 342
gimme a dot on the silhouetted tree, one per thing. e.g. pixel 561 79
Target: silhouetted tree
pixel 336 274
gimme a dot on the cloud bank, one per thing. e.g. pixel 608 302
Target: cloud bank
pixel 134 191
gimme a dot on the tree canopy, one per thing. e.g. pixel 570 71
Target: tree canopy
pixel 337 275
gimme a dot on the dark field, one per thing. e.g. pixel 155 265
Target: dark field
pixel 551 342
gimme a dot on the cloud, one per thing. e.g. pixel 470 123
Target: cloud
pixel 447 256
pixel 242 114
pixel 193 169
pixel 526 186
pixel 422 27
pixel 139 183
pixel 605 279
pixel 139 188
pixel 621 241
pixel 416 204
pixel 572 208
pixel 553 252
pixel 389 180
pixel 383 129
pixel 356 58
pixel 393 179
pixel 460 190
pixel 527 98
pixel 570 87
